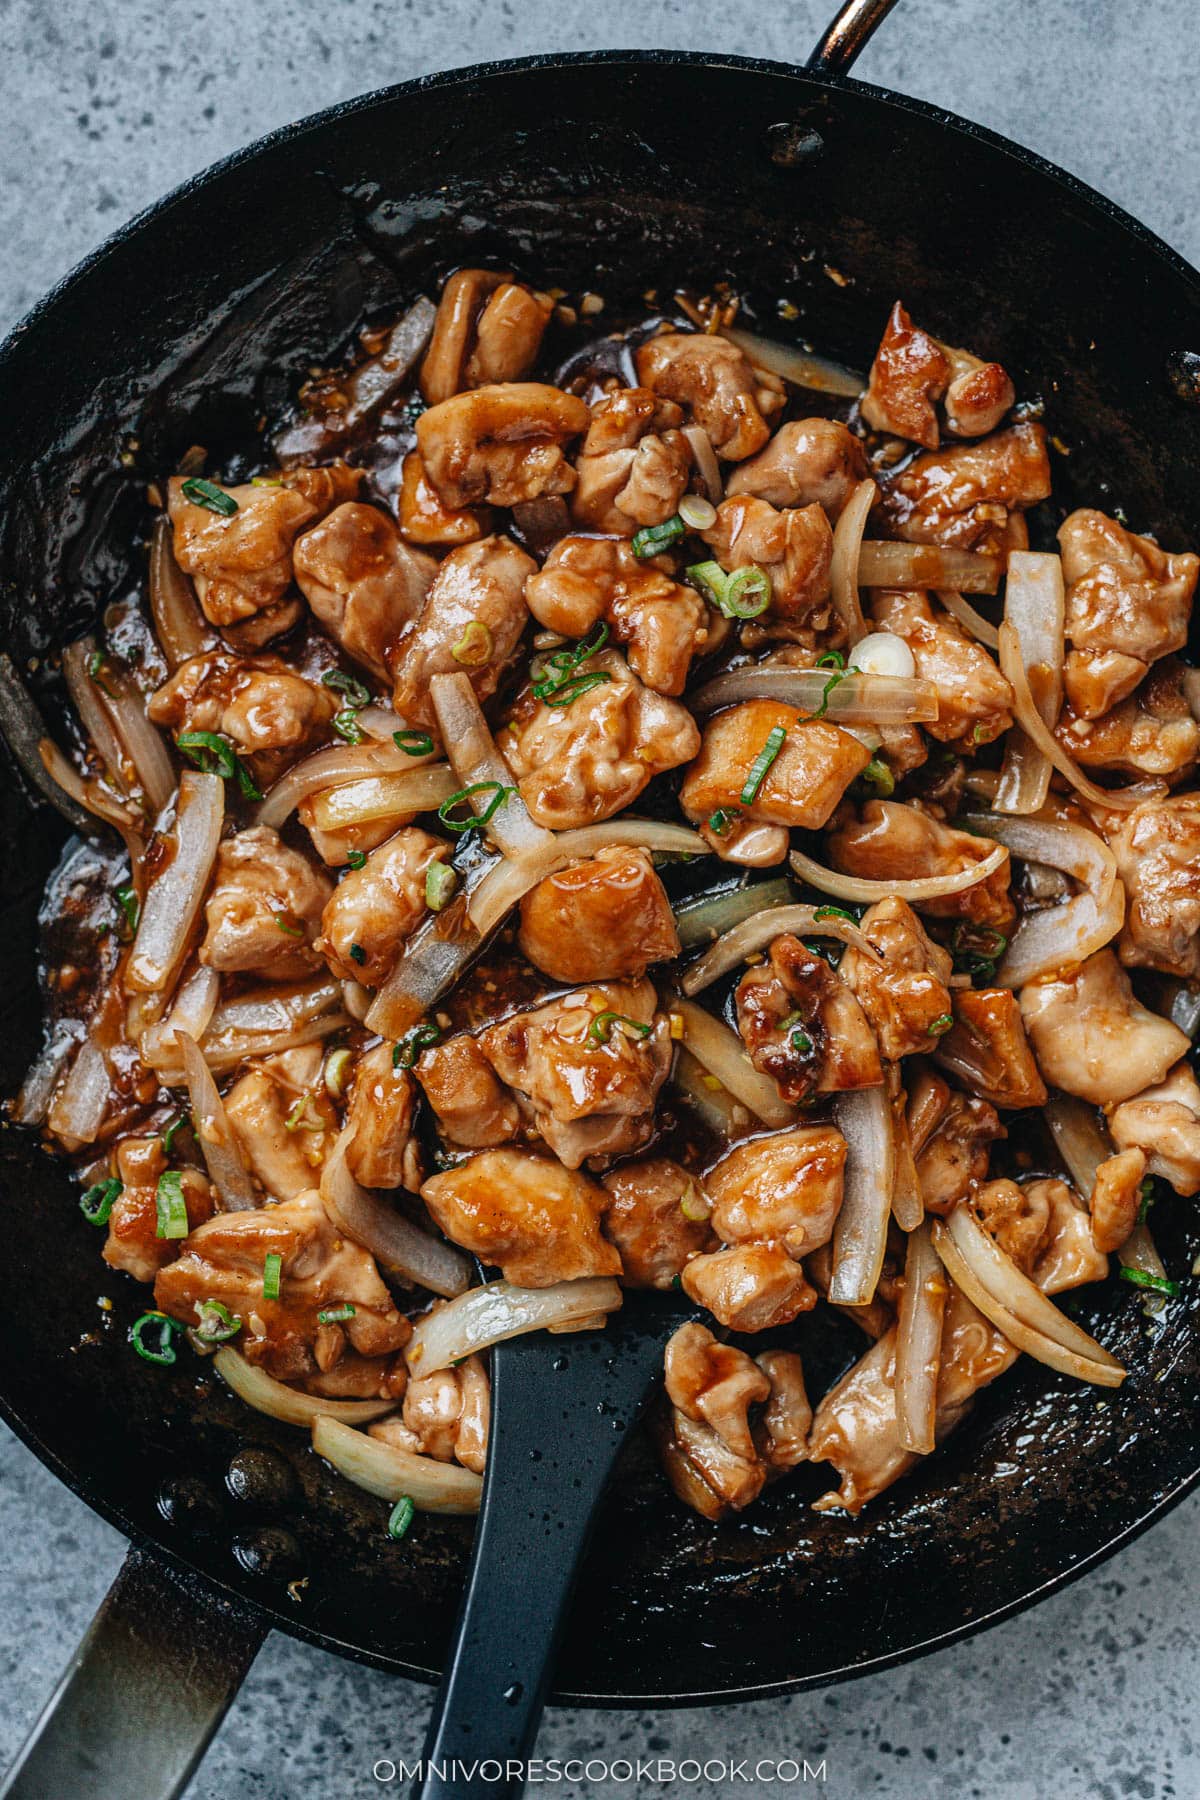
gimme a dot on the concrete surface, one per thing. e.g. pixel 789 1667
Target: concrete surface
pixel 107 104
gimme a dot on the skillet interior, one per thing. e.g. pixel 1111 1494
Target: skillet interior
pixel 677 170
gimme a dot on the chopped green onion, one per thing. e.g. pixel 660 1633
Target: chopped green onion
pixel 575 687
pixel 170 1206
pixel 333 1315
pixel 499 795
pixel 792 1018
pixel 217 1324
pixel 602 1026
pixel 697 513
pixel 694 1205
pixel 95 669
pixel 209 495
pixel 348 727
pixel 761 764
pixel 272 1270
pixel 710 578
pixel 563 681
pixel 1147 1200
pixel 289 929
pixel 304 1116
pixel 406 1052
pixel 941 1025
pixel 722 822
pixel 747 593
pixel 977 949
pixel 217 757
pixel 400 1517
pixel 265 481
pixel 168 1133
pixel 336 1065
pixel 357 696
pixel 131 911
pixel 880 777
pixel 357 859
pixel 413 743
pixel 832 659
pixel 96 1202
pixel 357 953
pixel 474 647
pixel 800 1042
pixel 440 883
pixel 1144 1279
pixel 653 538
pixel 834 912
pixel 166 1328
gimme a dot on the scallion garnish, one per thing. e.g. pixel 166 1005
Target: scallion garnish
pixel 131 911
pixel 710 578
pixel 357 954
pixel 400 1517
pixel 977 949
pixel 166 1328
pixel 209 495
pixel 722 822
pixel 357 696
pixel 1144 1279
pixel 576 687
pixel 747 593
pixel 564 680
pixel 303 1116
pixel 272 1271
pixel 406 1052
pixel 474 647
pixel 357 859
pixel 833 912
pixel 605 1023
pixel 499 794
pixel 941 1025
pixel 761 764
pixel 413 743
pixel 334 1315
pixel 217 1324
pixel 347 726
pixel 337 1067
pixel 800 1041
pixel 877 775
pixel 170 1207
pixel 169 1131
pixel 651 539
pixel 95 669
pixel 216 756
pixel 96 1202
pixel 288 926
pixel 440 883
pixel 832 659
pixel 1146 1201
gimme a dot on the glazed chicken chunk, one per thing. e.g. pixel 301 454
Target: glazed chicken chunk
pixel 786 1189
pixel 133 1243
pixel 658 1217
pixel 812 769
pixel 749 1287
pixel 445 1415
pixel 373 909
pixel 1163 1121
pixel 808 462
pixel 634 464
pixel 471 621
pixel 803 1026
pixel 501 444
pixel 1091 1036
pixel 1128 603
pixel 913 371
pixel 283 1120
pixel 987 1050
pixel 424 519
pixel 718 386
pixel 263 912
pixel 536 1220
pixel 968 497
pixel 951 1134
pixel 903 990
pixel 659 623
pixel 362 581
pixel 257 702
pixel 1157 847
pixel 715 1385
pixel 470 1102
pixel 794 547
pixel 382 1152
pixel 1154 732
pixel 488 328
pixel 974 699
pixel 1117 1197
pixel 606 919
pixel 892 842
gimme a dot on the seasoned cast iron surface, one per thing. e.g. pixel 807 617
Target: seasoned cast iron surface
pixel 618 176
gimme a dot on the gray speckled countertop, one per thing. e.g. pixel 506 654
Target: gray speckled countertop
pixel 109 103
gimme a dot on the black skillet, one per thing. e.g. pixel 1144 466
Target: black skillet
pixel 616 173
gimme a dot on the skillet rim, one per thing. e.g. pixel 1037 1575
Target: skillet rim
pixel 41 314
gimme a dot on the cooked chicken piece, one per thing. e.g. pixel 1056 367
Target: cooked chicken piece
pixel 283 1120
pixel 362 581
pixel 812 769
pixel 1157 847
pixel 263 913
pixel 581 763
pixel 721 390
pixel 704 1472
pixel 1128 603
pixel 974 699
pixel 321 1271
pixel 445 1416
pixel 606 919
pixel 133 1243
pixel 373 909
pixel 781 1431
pixel 803 1027
pixel 987 1050
pixel 1016 1218
pixel 953 1157
pixel 657 1216
pixel 808 462
pixel 242 564
pixel 258 702
pixel 714 1384
pixel 660 623
pixel 965 497
pixel 746 843
pixel 1117 1197
pixel 488 328
pixel 912 371
pixel 589 1065
pixel 902 991
pixel 423 518
pixel 634 465
pixel 337 848
pixel 891 842
pixel 707 1472
pixel 1163 1121
pixel 1067 1256
pixel 794 547
pixel 472 1106
pixel 1092 1038
pixel 471 623
pixel 383 1152
pixel 750 1287
pixel 1154 732
pixel 500 444
pixel 539 1222
pixel 786 1188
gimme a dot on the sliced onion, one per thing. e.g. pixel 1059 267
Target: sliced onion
pixel 724 1115
pixel 864 1118
pixel 268 1009
pixel 330 769
pixel 192 1012
pixel 488 1315
pixel 400 1246
pixel 891 565
pixel 929 887
pixel 858 699
pixel 843 570
pixel 919 1342
pixel 908 1202
pixel 801 367
pixel 214 1133
pixel 93 715
pixel 173 900
pixel 970 620
pixel 703 921
pixel 508 881
pixel 77 1110
pixel 705 458
pixel 474 756
pixel 179 625
pixel 1030 720
pixel 1035 606
pixel 753 934
pixel 142 743
pixel 1080 853
pixel 92 797
pixel 439 951
pixel 37 1090
pixel 266 1395
pixel 380 722
pixel 1016 1307
pixel 1058 937
pixel 1079 1137
pixel 230 1050
pixel 393 1473
pixel 724 1055
pixel 24 732
pixel 398 796
pixel 1182 1004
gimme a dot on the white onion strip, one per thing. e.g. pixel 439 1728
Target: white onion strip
pixel 1035 607
pixel 93 715
pixel 126 706
pixel 724 1055
pixel 843 569
pixel 77 1110
pixel 864 1118
pixel 399 796
pixel 266 1395
pixel 705 459
pixel 438 952
pixel 970 620
pixel 173 900
pixel 508 881
pixel 1057 937
pixel 919 1342
pixel 179 624
pixel 1016 1307
pixel 330 768
pixel 1030 720
pixel 703 921
pixel 753 934
pixel 1083 1142
pixel 841 699
pixel 475 758
pixel 92 797
pixel 214 1133
pixel 491 1314
pixel 882 563
pixel 930 887
pixel 709 1097
pixel 191 1012
pixel 392 1473
pixel 801 367
pixel 392 1239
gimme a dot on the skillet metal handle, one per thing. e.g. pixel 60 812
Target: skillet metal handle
pixel 143 1694
pixel 847 35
